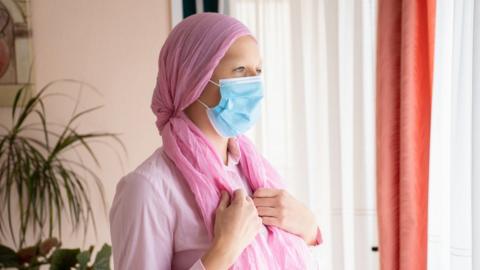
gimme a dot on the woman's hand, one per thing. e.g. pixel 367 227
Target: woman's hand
pixel 277 207
pixel 236 225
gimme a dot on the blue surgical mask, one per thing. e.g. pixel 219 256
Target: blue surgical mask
pixel 239 105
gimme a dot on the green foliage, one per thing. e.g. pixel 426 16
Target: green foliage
pixel 8 257
pixel 36 178
pixel 44 253
pixel 40 184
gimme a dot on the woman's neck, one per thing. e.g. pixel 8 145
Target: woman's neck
pixel 221 145
pixel 197 114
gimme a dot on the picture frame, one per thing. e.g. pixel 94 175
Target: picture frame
pixel 16 50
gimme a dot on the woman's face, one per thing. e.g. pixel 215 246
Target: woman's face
pixel 241 60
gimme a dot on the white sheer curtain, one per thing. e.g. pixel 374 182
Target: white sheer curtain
pixel 454 196
pixel 318 124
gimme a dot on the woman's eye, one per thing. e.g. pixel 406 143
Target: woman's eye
pixel 240 69
pixel 259 71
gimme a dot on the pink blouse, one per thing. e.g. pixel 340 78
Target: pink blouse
pixel 154 221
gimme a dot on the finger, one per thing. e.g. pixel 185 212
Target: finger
pixel 238 195
pixel 266 192
pixel 224 200
pixel 267 211
pixel 267 202
pixel 270 221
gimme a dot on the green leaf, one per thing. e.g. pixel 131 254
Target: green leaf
pixel 63 259
pixel 15 101
pixel 8 257
pixel 83 258
pixel 102 260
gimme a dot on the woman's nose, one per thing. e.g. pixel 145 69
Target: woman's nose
pixel 252 72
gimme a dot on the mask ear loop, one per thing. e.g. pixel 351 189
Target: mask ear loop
pixel 214 83
pixel 204 105
pixel 201 102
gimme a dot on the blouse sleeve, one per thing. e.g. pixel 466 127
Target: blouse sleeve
pixel 141 226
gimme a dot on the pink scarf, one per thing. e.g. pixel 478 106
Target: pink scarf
pixel 186 63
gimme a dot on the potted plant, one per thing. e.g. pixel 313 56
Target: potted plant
pixel 40 184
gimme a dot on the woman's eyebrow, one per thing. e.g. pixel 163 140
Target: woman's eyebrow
pixel 238 63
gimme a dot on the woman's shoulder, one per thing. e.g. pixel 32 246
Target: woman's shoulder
pixel 157 166
pixel 153 177
pixel 148 186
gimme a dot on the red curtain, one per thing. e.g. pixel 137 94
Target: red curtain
pixel 404 91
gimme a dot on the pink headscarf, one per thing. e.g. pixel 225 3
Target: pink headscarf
pixel 186 63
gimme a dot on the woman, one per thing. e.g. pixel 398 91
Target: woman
pixel 206 199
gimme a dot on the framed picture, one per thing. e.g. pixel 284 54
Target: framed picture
pixel 16 53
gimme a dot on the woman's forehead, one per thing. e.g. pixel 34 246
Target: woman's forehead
pixel 244 48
